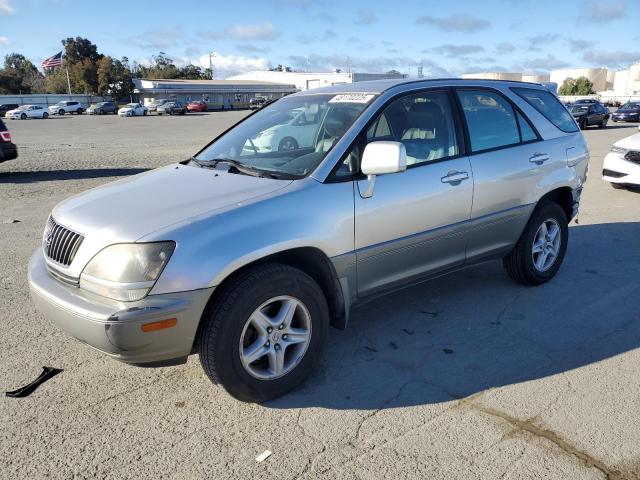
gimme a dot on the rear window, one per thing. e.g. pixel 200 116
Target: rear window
pixel 549 106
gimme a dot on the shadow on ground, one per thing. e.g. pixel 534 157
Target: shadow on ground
pixel 51 175
pixel 475 330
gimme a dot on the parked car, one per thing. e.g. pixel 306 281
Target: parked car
pixel 102 107
pixel 586 101
pixel 587 114
pixel 153 106
pixel 5 107
pixel 8 150
pixel 255 103
pixel 247 259
pixel 66 106
pixel 629 112
pixel 27 111
pixel 132 110
pixel 296 132
pixel 172 107
pixel 621 166
pixel 197 106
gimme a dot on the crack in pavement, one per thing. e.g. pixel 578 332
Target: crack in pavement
pixel 553 437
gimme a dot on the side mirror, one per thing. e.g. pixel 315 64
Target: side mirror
pixel 380 158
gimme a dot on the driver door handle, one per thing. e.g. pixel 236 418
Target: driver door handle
pixel 539 158
pixel 454 177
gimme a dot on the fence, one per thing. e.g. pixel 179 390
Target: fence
pixel 45 100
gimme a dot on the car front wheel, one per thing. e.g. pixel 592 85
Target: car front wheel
pixel 264 331
pixel 23 116
pixel 45 115
pixel 537 256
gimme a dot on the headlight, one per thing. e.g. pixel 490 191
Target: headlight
pixel 126 271
pixel 619 150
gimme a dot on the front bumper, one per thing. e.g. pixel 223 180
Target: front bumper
pixel 634 117
pixel 626 172
pixel 115 328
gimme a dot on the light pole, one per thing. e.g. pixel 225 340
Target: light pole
pixel 211 55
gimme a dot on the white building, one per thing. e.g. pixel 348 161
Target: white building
pixel 307 80
pixel 536 78
pixel 513 76
pixel 597 76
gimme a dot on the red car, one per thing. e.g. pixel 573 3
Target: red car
pixel 197 106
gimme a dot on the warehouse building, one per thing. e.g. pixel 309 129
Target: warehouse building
pixel 219 94
pixel 308 80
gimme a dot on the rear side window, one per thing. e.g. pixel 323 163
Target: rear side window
pixel 490 119
pixel 526 130
pixel 548 105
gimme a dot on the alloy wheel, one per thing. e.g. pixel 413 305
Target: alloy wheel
pixel 275 338
pixel 546 245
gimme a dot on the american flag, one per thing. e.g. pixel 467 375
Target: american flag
pixel 54 61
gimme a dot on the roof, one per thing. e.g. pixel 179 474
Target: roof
pixel 208 82
pixel 210 86
pixel 379 86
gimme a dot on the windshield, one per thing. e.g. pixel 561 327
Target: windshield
pixel 630 106
pixel 23 107
pixel 132 105
pixel 290 137
pixel 578 108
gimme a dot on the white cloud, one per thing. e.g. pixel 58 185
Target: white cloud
pixel 226 65
pixel 6 7
pixel 366 17
pixel 604 11
pixel 262 31
pixel 4 40
pixel 458 22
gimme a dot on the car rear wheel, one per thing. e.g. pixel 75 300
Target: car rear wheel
pixel 583 124
pixel 539 253
pixel 618 186
pixel 80 111
pixel 264 332
pixel 603 123
pixel 144 113
pixel 287 143
pixel 45 115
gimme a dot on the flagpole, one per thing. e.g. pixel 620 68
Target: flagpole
pixel 68 82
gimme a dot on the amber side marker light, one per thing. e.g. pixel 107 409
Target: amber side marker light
pixel 161 325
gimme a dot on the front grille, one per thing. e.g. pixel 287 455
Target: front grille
pixel 60 244
pixel 633 156
pixel 612 174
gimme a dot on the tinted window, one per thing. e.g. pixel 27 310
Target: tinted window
pixel 490 119
pixel 527 132
pixel 549 106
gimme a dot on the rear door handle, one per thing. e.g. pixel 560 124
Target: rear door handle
pixel 454 177
pixel 539 158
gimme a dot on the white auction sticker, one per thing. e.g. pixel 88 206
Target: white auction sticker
pixel 352 98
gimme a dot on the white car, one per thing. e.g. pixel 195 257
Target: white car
pixel 66 106
pixel 132 110
pixel 27 111
pixel 622 164
pixel 298 132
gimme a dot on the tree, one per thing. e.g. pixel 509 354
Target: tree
pixel 81 59
pixel 114 78
pixel 578 86
pixel 20 75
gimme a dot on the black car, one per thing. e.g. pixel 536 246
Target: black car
pixel 8 150
pixel 171 108
pixel 629 112
pixel 5 107
pixel 587 114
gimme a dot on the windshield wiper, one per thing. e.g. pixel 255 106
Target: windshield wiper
pixel 239 166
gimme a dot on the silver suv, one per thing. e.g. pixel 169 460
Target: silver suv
pixel 246 255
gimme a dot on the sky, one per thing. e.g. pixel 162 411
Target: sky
pixel 446 38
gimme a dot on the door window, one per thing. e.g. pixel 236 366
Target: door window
pixel 490 119
pixel 423 122
pixel 527 132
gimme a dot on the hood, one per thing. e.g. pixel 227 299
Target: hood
pixel 128 209
pixel 629 143
pixel 628 110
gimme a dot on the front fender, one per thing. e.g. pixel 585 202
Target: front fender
pixel 208 250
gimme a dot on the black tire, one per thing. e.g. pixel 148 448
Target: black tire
pixel 144 113
pixel 61 112
pixel 614 120
pixel 45 115
pixel 603 123
pixel 287 144
pixel 79 111
pixel 519 262
pixel 618 186
pixel 23 116
pixel 583 124
pixel 224 319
